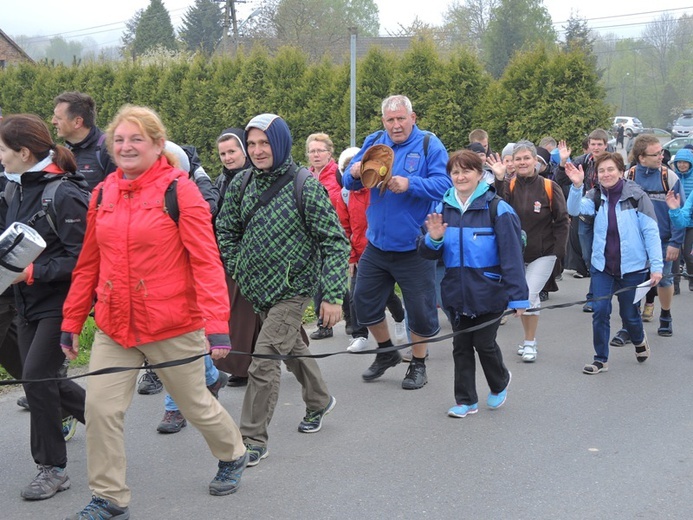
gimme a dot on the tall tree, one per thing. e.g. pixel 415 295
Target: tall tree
pixel 317 26
pixel 202 26
pixel 578 35
pixel 514 25
pixel 467 22
pixel 128 38
pixel 154 29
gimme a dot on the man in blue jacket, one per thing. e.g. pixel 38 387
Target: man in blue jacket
pixel 656 180
pixel 395 220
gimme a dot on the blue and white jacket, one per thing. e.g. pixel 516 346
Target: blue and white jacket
pixel 637 227
pixel 484 269
pixel 681 217
pixel 395 219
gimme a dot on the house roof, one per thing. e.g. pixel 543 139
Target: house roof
pixel 14 44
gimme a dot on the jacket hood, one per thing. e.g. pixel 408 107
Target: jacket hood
pixel 278 135
pixel 481 189
pixel 683 155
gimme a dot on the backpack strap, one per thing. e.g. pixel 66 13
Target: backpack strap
pixel 48 203
pixel 299 182
pixel 268 194
pixel 171 201
pixel 548 188
pixel 493 209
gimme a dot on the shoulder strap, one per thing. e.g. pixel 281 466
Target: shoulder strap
pixel 171 201
pixel 427 139
pixel 100 157
pixel 268 194
pixel 48 203
pixel 665 178
pixel 630 175
pixel 493 208
pixel 548 187
pixel 299 183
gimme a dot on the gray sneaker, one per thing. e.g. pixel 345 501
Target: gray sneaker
pixel 228 477
pixel 47 483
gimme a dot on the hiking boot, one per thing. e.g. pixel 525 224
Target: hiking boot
pixel 621 339
pixel 358 344
pixel 101 509
pixel 642 351
pixel 69 427
pixel 149 383
pixel 416 376
pixel 666 326
pixel 228 477
pixel 47 483
pixel 23 402
pixel 256 454
pixel 543 296
pixel 463 410
pixel 381 364
pixel 595 367
pixel 648 312
pixel 400 331
pixel 312 422
pixel 495 401
pixel 173 422
pixel 220 383
pixel 237 381
pixel 322 333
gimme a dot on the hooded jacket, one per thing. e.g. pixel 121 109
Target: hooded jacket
pixel 154 279
pixel 223 181
pixel 686 177
pixel 279 255
pixel 637 227
pixel 682 217
pixel 484 269
pixel 43 297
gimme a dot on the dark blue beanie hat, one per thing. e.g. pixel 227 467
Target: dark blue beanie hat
pixel 278 135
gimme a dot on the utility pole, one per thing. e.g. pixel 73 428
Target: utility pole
pixel 225 27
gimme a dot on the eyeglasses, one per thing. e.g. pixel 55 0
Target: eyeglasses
pixel 313 152
pixel 661 152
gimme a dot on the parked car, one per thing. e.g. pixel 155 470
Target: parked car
pixel 632 125
pixel 676 144
pixel 683 126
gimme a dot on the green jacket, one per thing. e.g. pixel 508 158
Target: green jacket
pixel 277 256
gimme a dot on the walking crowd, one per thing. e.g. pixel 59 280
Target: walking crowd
pixel 173 265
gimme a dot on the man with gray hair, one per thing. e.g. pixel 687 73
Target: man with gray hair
pixel 395 217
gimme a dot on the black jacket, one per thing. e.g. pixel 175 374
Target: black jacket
pixel 53 268
pixel 93 161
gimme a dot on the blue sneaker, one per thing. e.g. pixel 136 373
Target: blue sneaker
pixel 463 410
pixel 496 400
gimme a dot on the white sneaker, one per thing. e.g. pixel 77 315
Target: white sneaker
pixel 358 344
pixel 530 354
pixel 520 349
pixel 400 331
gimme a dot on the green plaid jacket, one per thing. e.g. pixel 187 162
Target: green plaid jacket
pixel 278 257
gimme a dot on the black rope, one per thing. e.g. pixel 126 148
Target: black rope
pixel 284 357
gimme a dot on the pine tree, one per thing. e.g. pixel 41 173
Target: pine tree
pixel 202 27
pixel 154 29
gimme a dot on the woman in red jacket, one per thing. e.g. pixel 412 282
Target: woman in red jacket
pixel 160 289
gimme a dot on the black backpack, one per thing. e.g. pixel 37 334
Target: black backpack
pixel 47 198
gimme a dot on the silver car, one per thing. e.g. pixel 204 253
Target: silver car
pixel 683 126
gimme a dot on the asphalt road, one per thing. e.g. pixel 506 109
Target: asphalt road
pixel 564 446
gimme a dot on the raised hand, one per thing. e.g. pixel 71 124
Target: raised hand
pixel 564 152
pixel 673 200
pixel 575 174
pixel 435 226
pixel 496 164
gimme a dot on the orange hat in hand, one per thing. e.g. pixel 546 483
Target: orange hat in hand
pixel 376 166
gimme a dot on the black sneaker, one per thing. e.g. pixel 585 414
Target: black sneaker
pixel 219 384
pixel 23 402
pixel 256 454
pixel 149 383
pixel 416 376
pixel 237 381
pixel 381 364
pixel 312 422
pixel 228 477
pixel 102 509
pixel 543 296
pixel 322 333
pixel 173 422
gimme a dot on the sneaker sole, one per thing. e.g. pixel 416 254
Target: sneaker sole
pixel 529 358
pixel 462 416
pixel 594 372
pixel 256 462
pixel 62 487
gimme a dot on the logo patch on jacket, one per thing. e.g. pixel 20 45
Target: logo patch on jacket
pixel 411 162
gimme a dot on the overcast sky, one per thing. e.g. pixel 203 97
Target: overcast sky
pixel 105 21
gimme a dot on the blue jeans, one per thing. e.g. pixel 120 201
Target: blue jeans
pixel 604 284
pixel 211 376
pixel 586 235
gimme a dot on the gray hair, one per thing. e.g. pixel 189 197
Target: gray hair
pixel 395 102
pixel 525 145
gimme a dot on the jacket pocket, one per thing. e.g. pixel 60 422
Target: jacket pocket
pixel 165 307
pixel 480 248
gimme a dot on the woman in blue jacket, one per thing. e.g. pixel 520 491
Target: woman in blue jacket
pixel 626 242
pixel 478 237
